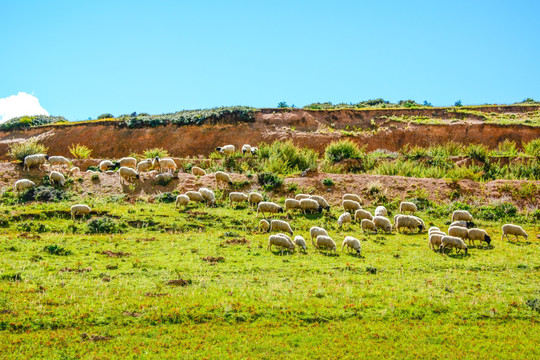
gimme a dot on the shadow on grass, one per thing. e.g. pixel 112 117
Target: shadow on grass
pixel 517 243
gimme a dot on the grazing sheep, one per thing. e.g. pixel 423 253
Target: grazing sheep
pixel 56 177
pixel 33 160
pixel 381 211
pixel 344 218
pixel 127 174
pixel 197 171
pixel 221 176
pixel 105 165
pixel 237 197
pixel 352 197
pixel 80 209
pixel 435 241
pixel 325 241
pixel 227 149
pixel 292 204
pixel 369 225
pixel 453 242
pixel 351 205
pixel 478 234
pixel 351 243
pixel 268 207
pixel 264 225
pixel 74 170
pixel 421 221
pixel 280 225
pixel 383 223
pixel 279 241
pixel 208 195
pixel 408 222
pixel 254 198
pixel 195 196
pixel 461 215
pixel 463 223
pixel 144 165
pixel 23 184
pixel 458 231
pixel 300 242
pixel 516 230
pixel 181 200
pixel 437 232
pixel 321 202
pixel 433 228
pixel 130 162
pixel 58 161
pixel 254 150
pixel 316 231
pixel 408 207
pixel 302 196
pixel 246 148
pixel 166 164
pixel 362 214
pixel 310 206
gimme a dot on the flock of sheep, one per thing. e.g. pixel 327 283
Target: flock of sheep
pixel 461 229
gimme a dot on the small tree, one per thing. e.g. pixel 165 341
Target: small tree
pixel 458 103
pixel 282 104
pixel 19 151
pixel 105 116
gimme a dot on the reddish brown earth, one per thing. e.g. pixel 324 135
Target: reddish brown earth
pixel 315 129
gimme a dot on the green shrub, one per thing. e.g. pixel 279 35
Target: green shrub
pixel 477 152
pixel 105 116
pixel 43 193
pixel 19 151
pixel 497 212
pixel 458 103
pixel 103 225
pixel 532 148
pixel 166 198
pixel 285 157
pixel 152 153
pixel 80 151
pixel 328 182
pixel 30 121
pixel 505 148
pixel 269 181
pixel 343 149
pixel 57 250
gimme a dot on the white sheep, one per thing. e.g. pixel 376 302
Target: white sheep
pixel 254 150
pixel 344 218
pixel 181 200
pixel 382 223
pixel 453 242
pixel 350 205
pixel 254 198
pixel 352 197
pixel 144 165
pixel 80 209
pixel 433 228
pixel 310 206
pixel 127 174
pixel 478 234
pixel 351 243
pixel 162 178
pixel 316 231
pixel 105 165
pixel 58 161
pixel 361 214
pixel 227 149
pixel 194 196
pixel 280 225
pixel 407 206
pixel 208 195
pixel 268 207
pixel 74 170
pixel 197 171
pixel 516 230
pixel 437 232
pixel 279 241
pixel 237 197
pixel 292 204
pixel 57 177
pixel 322 201
pixel 221 176
pixel 302 196
pixel 130 162
pixel 23 184
pixel 246 148
pixel 326 242
pixel 408 222
pixel 458 231
pixel 381 211
pixel 300 242
pixel 435 240
pixel 421 221
pixel 165 164
pixel 33 160
pixel 461 215
pixel 368 225
pixel 264 225
pixel 463 223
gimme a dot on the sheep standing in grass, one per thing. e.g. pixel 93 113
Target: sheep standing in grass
pixel 362 214
pixel 316 231
pixel 409 207
pixel 254 150
pixel 166 164
pixel 57 177
pixel 383 223
pixel 34 160
pixel 325 242
pixel 458 231
pixel 300 242
pixel 463 223
pixel 433 228
pixel 208 195
pixel 80 209
pixel 310 206
pixel 292 204
pixel 144 166
pixel 221 176
pixel 267 207
pixel 453 242
pixel 516 230
pixel 24 184
pixel 381 211
pixel 351 243
pixel 227 149
pixel 58 161
pixel 279 241
pixel 197 171
pixel 181 200
pixel 74 170
pixel 127 174
pixel 368 225
pixel 461 215
pixel 344 218
pixel 435 240
pixel 322 201
pixel 264 225
pixel 352 197
pixel 351 206
pixel 105 165
pixel 237 197
pixel 246 149
pixel 254 198
pixel 130 162
pixel 408 222
pixel 302 196
pixel 478 234
pixel 195 196
pixel 280 225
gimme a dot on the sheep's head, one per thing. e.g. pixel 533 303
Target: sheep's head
pixel 421 228
pixel 320 209
pixel 280 210
pixel 46 157
pixel 487 239
pixel 218 149
pixel 470 224
pixel 358 251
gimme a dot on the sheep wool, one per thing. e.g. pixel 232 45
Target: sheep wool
pixel 300 242
pixel 237 197
pixel 344 218
pixel 292 204
pixel 181 200
pixel 352 244
pixel 325 242
pixel 408 222
pixel 381 211
pixel 453 242
pixel 458 231
pixel 409 207
pixel 511 229
pixel 316 231
pixel 23 184
pixel 165 164
pixel 208 195
pixel 264 225
pixel 58 161
pixel 254 198
pixel 368 225
pixel 351 205
pixel 34 160
pixel 362 214
pixel 461 215
pixel 322 201
pixel 127 174
pixel 382 223
pixel 352 197
pixel 80 209
pixel 144 165
pixel 57 178
pixel 280 225
pixel 105 165
pixel 478 234
pixel 302 196
pixel 130 162
pixel 269 207
pixel 195 196
pixel 279 241
pixel 197 171
pixel 310 206
pixel 227 149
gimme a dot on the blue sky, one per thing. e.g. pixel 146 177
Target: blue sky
pixel 81 59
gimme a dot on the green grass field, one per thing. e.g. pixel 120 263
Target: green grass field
pixel 111 295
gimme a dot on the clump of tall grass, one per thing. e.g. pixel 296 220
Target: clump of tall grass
pixel 286 158
pixel 20 150
pixel 532 148
pixel 80 151
pixel 152 153
pixel 505 148
pixel 343 149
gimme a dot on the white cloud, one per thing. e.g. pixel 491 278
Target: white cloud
pixel 19 105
